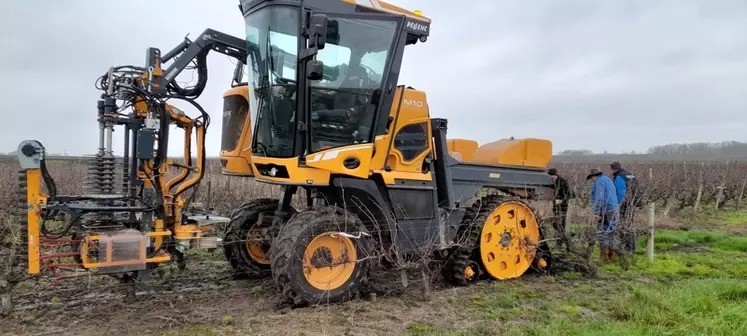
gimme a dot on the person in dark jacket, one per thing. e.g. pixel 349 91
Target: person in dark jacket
pixel 562 194
pixel 605 207
pixel 626 186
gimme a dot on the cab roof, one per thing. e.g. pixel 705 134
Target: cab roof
pixel 416 25
pixel 387 7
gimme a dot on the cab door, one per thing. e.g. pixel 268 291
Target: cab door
pixel 361 59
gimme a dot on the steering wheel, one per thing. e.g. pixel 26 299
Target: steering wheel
pixel 289 85
pixel 371 73
pixel 285 81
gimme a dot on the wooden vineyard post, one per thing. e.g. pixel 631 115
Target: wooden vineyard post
pixel 720 195
pixel 670 203
pixel 209 193
pixel 741 194
pixel 6 301
pixel 567 228
pixel 426 281
pixel 700 188
pixel 698 196
pixel 651 226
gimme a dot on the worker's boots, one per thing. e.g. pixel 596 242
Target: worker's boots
pixel 611 255
pixel 604 253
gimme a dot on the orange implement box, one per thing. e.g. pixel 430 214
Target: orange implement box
pixel 463 147
pixel 528 152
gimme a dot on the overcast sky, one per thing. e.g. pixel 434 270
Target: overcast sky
pixel 600 75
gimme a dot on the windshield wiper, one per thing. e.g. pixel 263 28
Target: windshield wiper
pixel 271 59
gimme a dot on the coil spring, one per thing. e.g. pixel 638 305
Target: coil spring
pixel 101 175
pixel 125 177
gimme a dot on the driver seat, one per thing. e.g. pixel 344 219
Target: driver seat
pixel 356 78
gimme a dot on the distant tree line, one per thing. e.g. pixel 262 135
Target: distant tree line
pixel 724 148
pixel 576 152
pixel 713 149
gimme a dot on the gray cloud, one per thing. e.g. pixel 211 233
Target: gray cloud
pixel 602 75
pixel 589 74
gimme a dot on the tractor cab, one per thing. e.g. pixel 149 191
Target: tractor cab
pixel 328 87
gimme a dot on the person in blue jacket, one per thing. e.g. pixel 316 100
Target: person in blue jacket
pixel 627 198
pixel 605 206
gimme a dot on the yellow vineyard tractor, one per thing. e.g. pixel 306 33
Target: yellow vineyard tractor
pixel 321 110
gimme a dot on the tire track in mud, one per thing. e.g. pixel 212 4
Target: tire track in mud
pixel 97 290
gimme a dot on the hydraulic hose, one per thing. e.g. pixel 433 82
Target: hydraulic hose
pixel 202 78
pixel 206 123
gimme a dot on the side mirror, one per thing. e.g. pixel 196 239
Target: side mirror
pixel 314 70
pixel 318 31
pixel 238 73
pixel 333 32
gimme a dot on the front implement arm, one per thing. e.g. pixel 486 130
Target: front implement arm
pixel 186 52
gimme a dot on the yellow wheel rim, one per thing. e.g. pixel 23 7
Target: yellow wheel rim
pixel 254 246
pixel 508 240
pixel 329 261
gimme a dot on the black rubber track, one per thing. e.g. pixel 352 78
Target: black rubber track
pixel 234 247
pixel 290 244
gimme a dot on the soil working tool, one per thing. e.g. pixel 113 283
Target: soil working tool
pixel 134 213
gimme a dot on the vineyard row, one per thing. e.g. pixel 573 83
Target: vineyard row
pixel 674 185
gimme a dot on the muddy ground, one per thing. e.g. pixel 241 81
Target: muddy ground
pixel 695 286
pixel 205 295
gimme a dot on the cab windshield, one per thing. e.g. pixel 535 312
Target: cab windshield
pixel 343 102
pixel 271 77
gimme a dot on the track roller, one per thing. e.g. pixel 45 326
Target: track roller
pixel 461 269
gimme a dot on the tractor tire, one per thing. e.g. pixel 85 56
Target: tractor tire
pixel 513 222
pixel 322 255
pixel 249 259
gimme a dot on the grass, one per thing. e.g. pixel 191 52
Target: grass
pixel 697 285
pixel 692 307
pixel 689 306
pixel 194 331
pixel 710 218
pixel 421 328
pixel 733 218
pixel 697 253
